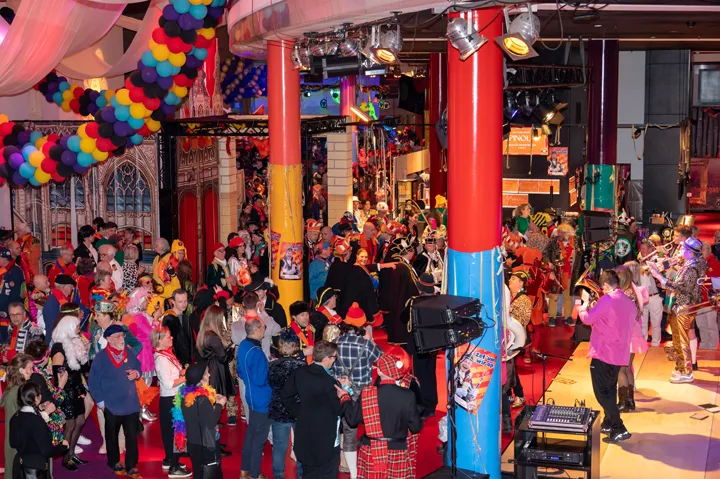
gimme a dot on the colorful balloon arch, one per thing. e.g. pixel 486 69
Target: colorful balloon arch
pixel 123 118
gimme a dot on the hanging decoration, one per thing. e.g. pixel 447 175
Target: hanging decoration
pixel 123 118
pixel 242 78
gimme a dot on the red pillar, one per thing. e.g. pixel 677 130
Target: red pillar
pixel 437 101
pixel 602 113
pixel 285 166
pixel 475 116
pixel 348 94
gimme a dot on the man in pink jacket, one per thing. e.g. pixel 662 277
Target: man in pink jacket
pixel 612 322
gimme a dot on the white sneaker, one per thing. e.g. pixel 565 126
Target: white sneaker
pixel 78 450
pixel 682 378
pixel 83 441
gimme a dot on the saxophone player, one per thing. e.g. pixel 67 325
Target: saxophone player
pixel 683 291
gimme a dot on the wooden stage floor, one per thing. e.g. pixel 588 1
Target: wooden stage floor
pixel 666 442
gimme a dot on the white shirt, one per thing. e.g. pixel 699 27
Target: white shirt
pixel 117 274
pixel 648 282
pixel 167 372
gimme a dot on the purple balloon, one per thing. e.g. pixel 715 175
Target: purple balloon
pixel 186 22
pixel 79 169
pixel 170 13
pixel 94 95
pixel 192 62
pixel 63 141
pixel 68 157
pixel 108 114
pixel 23 137
pixel 215 12
pixel 18 179
pixel 9 150
pixel 165 82
pixel 16 159
pixel 53 87
pixel 60 80
pixel 168 109
pixel 92 108
pixel 49 97
pixel 121 128
pixel 149 74
pixel 197 23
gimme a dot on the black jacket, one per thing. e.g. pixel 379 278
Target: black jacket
pixel 355 286
pixel 82 251
pixel 200 421
pixel 309 395
pixel 276 311
pixel 214 352
pixel 397 286
pixel 183 337
pixel 31 438
pixel 278 374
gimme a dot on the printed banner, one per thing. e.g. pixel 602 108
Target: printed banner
pixel 558 161
pixel 523 142
pixel 274 247
pixel 472 376
pixel 291 255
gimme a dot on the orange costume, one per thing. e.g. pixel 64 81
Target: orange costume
pixel 30 256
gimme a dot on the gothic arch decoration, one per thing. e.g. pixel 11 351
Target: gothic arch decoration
pixel 128 191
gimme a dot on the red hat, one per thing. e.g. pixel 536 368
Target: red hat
pixel 235 242
pixel 355 316
pixel 341 247
pixel 313 225
pixel 218 246
pixel 395 363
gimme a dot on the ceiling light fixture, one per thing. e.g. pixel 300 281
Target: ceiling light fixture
pixel 369 48
pixel 350 47
pixel 360 114
pixel 521 34
pixel 389 46
pixel 300 57
pixel 463 37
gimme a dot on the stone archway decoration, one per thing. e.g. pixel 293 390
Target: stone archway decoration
pixel 123 118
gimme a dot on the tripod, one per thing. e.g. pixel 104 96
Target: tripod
pixel 543 357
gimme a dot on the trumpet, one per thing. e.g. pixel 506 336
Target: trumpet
pixel 664 264
pixel 705 281
pixel 650 256
pixel 703 307
pixel 591 286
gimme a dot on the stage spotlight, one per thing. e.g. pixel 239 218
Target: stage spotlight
pixel 300 57
pixel 331 47
pixel 463 37
pixel 360 114
pixel 512 109
pixel 369 49
pixel 350 47
pixel 521 34
pixel 318 49
pixel 553 115
pixel 389 47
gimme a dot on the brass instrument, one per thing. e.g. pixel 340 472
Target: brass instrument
pixel 664 264
pixel 591 286
pixel 705 282
pixel 705 306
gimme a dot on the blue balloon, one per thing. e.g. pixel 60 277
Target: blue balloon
pixel 64 86
pixel 201 53
pixel 164 69
pixel 171 98
pixel 181 6
pixel 148 59
pixel 35 136
pixel 27 170
pixel 217 3
pixel 136 123
pixel 84 159
pixel 136 139
pixel 175 70
pixel 122 112
pixel 57 98
pixel 27 150
pixel 33 181
pixel 101 101
pixel 74 143
pixel 114 102
pixel 198 12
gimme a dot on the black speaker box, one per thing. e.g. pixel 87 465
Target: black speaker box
pixel 595 220
pixel 453 335
pixel 582 332
pixel 443 309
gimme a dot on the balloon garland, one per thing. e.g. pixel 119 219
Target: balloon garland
pixel 124 118
pixel 239 79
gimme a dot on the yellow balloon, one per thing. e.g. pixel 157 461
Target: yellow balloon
pixel 81 131
pixel 3 118
pixel 87 145
pixel 152 124
pixel 177 59
pixel 152 44
pixel 180 91
pixel 67 95
pixel 208 33
pixel 196 2
pixel 109 94
pixel 160 52
pixel 41 141
pixel 41 176
pixel 65 106
pixel 137 110
pixel 123 96
pixel 100 155
pixel 207 2
pixel 35 158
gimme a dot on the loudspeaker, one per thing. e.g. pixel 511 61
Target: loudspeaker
pixel 595 236
pixel 429 311
pixel 453 335
pixel 595 220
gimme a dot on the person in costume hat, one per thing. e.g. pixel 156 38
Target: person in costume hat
pixel 325 313
pixel 429 260
pixel 261 286
pixel 218 272
pixel 319 267
pixel 684 291
pixel 398 285
pixel 312 238
pixel 237 260
pixel 562 254
pixel 382 213
pixel 260 255
pixel 12 289
pixel 196 415
pixel 301 327
pixel 258 214
pixel 63 292
pixel 388 409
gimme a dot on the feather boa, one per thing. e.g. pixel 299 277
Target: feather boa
pixel 187 395
pixel 76 351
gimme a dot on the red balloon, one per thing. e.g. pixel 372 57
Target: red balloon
pixel 56 177
pixel 187 47
pixel 128 84
pixel 46 148
pixel 137 95
pixel 144 131
pixel 53 138
pixel 6 128
pixel 152 104
pixel 159 36
pixel 78 92
pixel 92 129
pixel 47 165
pixel 180 79
pixel 75 105
pixel 104 144
pixel 202 42
pixel 176 45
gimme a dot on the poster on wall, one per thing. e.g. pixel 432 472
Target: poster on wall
pixel 291 260
pixel 525 142
pixel 572 189
pixel 558 161
pixel 472 376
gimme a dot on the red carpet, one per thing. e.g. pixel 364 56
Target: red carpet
pixel 555 341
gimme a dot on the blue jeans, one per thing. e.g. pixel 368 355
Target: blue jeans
pixel 255 436
pixel 281 438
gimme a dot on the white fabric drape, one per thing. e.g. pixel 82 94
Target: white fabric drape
pixel 44 32
pixel 85 64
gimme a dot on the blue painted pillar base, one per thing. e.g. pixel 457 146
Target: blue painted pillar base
pixel 480 275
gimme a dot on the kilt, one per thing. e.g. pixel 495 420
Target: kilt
pixel 400 464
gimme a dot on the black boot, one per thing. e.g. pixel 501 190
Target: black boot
pixel 630 401
pixel 622 398
pixel 507 424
